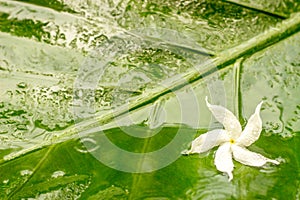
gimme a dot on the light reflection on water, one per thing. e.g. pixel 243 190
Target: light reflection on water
pixel 198 178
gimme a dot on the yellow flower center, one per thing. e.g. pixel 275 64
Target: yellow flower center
pixel 231 141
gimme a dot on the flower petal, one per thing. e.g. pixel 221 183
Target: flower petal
pixel 247 157
pixel 207 141
pixel 252 130
pixel 223 159
pixel 224 116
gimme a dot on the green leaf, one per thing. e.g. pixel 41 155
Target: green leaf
pixel 165 57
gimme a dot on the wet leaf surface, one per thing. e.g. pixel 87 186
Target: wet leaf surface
pixel 76 76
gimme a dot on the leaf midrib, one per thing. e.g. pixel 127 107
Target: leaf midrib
pixel 222 60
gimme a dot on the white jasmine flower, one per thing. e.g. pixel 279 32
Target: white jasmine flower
pixel 233 141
